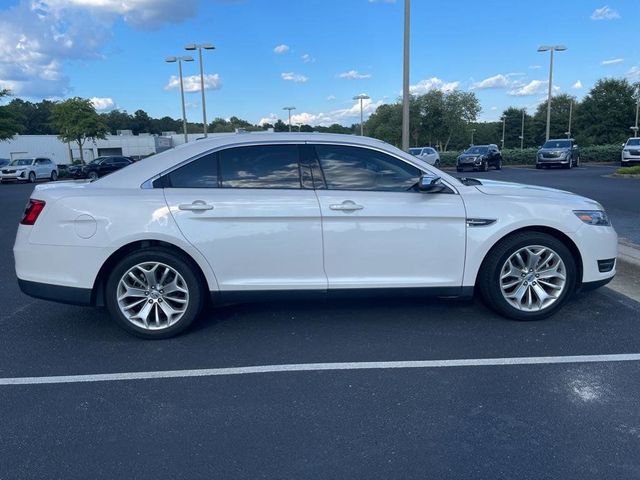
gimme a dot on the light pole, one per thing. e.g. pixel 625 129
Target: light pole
pixel 405 77
pixel 473 130
pixel 522 131
pixel 635 129
pixel 361 97
pixel 504 122
pixel 199 47
pixel 570 118
pixel 550 48
pixel 635 132
pixel 289 109
pixel 184 112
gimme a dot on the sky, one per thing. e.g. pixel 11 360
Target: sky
pixel 315 55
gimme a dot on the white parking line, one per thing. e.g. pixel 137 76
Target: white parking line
pixel 313 367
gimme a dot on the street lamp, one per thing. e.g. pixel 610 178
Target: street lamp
pixel 635 129
pixel 199 47
pixel 184 112
pixel 361 97
pixel 289 109
pixel 405 77
pixel 570 118
pixel 504 122
pixel 473 130
pixel 550 48
pixel 635 132
pixel 522 131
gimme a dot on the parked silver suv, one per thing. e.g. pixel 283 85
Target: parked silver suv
pixel 29 170
pixel 563 152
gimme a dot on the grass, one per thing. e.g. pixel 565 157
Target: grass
pixel 629 170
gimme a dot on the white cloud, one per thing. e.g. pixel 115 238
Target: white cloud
pixel 281 49
pixel 353 75
pixel 534 87
pixel 212 81
pixel 634 74
pixel 144 14
pixel 605 13
pixel 38 37
pixel 497 81
pixel 271 118
pixel 294 77
pixel 494 108
pixel 534 67
pixel 613 61
pixel 306 58
pixel 103 103
pixel 577 85
pixel 434 83
pixel 382 1
pixel 331 97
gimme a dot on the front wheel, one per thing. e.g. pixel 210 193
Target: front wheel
pixel 528 276
pixel 485 166
pixel 499 165
pixel 54 176
pixel 32 177
pixel 93 176
pixel 154 293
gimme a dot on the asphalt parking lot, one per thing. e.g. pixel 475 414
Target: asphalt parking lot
pixel 550 417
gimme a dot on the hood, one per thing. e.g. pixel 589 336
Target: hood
pixel 493 187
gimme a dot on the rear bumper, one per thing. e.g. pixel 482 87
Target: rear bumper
pixel 56 293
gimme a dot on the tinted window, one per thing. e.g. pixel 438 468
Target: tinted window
pixel 201 173
pixel 557 144
pixel 354 168
pixel 476 150
pixel 264 166
pixel 633 142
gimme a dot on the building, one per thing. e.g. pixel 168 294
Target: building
pixel 125 143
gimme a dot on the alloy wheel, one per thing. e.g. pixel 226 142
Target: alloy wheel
pixel 152 296
pixel 533 278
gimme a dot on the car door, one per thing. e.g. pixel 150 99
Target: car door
pixel 39 168
pixel 247 210
pixel 378 230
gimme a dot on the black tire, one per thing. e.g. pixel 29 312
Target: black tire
pixel 32 177
pixel 437 164
pixel 490 272
pixel 54 176
pixel 92 176
pixel 179 262
pixel 485 166
pixel 569 165
pixel 499 165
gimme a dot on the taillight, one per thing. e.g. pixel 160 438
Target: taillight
pixel 32 212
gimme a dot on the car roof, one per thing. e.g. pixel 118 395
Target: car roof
pixel 139 172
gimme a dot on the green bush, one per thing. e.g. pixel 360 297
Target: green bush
pixel 601 153
pixel 629 170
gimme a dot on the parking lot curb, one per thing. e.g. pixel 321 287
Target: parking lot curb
pixel 629 252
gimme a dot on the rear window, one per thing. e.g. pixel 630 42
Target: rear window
pixel 260 166
pixel 200 173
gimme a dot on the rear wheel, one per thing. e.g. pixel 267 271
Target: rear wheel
pixel 54 176
pixel 154 293
pixel 528 276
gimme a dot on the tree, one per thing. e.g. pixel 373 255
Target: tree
pixel 33 117
pixel 9 121
pixel 141 122
pixel 606 113
pixel 460 109
pixel 117 120
pixel 513 128
pixel 560 106
pixel 76 121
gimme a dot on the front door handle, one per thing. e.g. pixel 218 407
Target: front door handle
pixel 346 206
pixel 197 206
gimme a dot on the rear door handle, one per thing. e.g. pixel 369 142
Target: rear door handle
pixel 197 206
pixel 346 206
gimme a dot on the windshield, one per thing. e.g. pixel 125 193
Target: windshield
pixel 557 144
pixel 633 142
pixel 22 162
pixel 476 150
pixel 415 151
pixel 95 161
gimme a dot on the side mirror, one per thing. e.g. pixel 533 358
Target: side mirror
pixel 431 184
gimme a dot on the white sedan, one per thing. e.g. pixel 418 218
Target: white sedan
pixel 247 214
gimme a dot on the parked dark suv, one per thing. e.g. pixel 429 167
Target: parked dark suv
pixel 563 152
pixel 101 166
pixel 480 157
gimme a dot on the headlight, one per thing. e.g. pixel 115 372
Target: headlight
pixel 593 217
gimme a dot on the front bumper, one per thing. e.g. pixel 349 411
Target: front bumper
pixel 22 175
pixel 598 248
